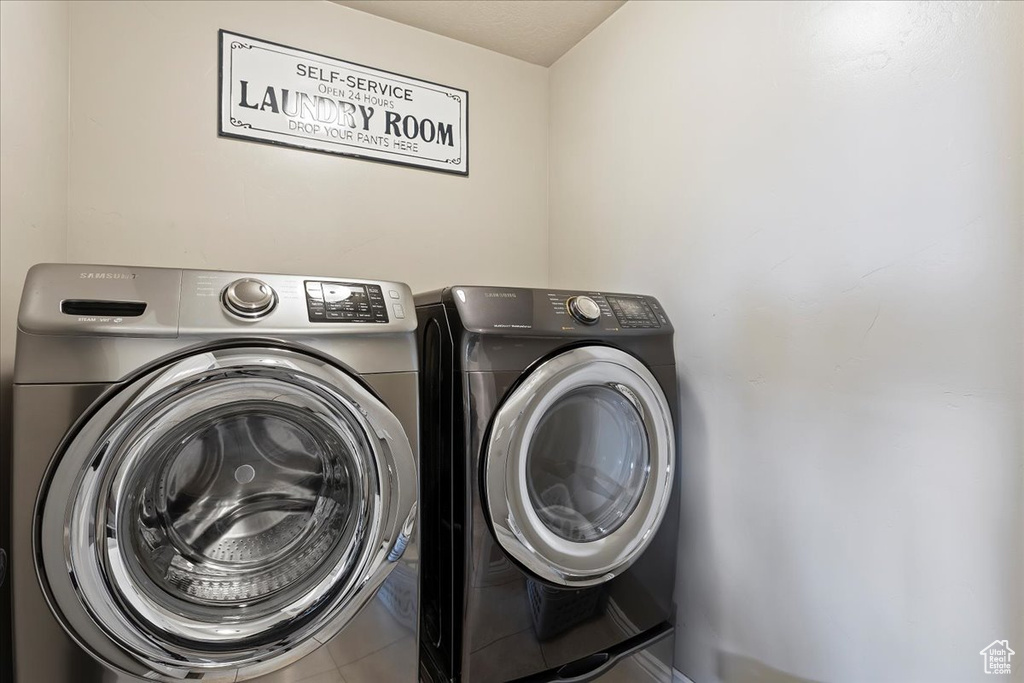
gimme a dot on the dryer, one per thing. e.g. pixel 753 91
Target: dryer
pixel 214 477
pixel 550 492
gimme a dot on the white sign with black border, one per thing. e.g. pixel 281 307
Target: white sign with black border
pixel 281 95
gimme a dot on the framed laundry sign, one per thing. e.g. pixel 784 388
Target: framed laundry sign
pixel 285 96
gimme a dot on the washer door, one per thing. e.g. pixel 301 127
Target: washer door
pixel 223 515
pixel 578 466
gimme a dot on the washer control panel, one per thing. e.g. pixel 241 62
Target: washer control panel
pixel 98 300
pixel 345 302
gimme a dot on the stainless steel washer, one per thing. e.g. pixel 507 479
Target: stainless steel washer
pixel 214 476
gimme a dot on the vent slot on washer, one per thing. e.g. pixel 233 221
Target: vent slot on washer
pixel 100 307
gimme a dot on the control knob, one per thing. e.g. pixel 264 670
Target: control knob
pixel 584 309
pixel 249 298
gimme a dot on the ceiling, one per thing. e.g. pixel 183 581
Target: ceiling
pixel 537 31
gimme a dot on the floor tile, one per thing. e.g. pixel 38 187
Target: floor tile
pixel 313 664
pixel 396 663
pixel 373 629
pixel 332 676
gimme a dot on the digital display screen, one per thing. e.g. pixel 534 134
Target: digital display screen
pixel 633 312
pixel 632 308
pixel 348 296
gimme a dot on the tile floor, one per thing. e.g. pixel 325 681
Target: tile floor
pixel 374 648
pixel 377 647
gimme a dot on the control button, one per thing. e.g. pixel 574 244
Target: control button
pixel 394 294
pixel 334 315
pixel 584 309
pixel 399 311
pixel 249 298
pixel 314 291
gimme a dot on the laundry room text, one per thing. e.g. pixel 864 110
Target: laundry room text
pixel 272 93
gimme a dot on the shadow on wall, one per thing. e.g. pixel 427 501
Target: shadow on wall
pixel 733 668
pixel 844 422
pixel 696 585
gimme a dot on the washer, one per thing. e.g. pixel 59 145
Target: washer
pixel 550 492
pixel 214 474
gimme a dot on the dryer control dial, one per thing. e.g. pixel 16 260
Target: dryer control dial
pixel 584 309
pixel 249 298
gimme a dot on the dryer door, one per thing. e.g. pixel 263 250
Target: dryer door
pixel 578 466
pixel 224 514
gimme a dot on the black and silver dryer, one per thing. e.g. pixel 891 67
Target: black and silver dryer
pixel 549 484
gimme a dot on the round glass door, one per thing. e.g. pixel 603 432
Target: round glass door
pixel 227 513
pixel 578 467
pixel 236 497
pixel 587 463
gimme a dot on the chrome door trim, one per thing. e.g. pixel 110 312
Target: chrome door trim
pixel 518 528
pixel 102 615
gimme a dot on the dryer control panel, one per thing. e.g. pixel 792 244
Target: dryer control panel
pixel 633 311
pixel 558 312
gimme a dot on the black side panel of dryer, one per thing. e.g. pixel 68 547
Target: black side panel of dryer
pixel 442 498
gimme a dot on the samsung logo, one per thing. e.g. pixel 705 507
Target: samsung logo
pixel 107 276
pixel 500 295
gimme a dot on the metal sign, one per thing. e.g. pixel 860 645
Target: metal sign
pixel 278 94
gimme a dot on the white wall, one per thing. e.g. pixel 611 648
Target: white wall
pixel 152 184
pixel 34 155
pixel 828 199
pixel 33 190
